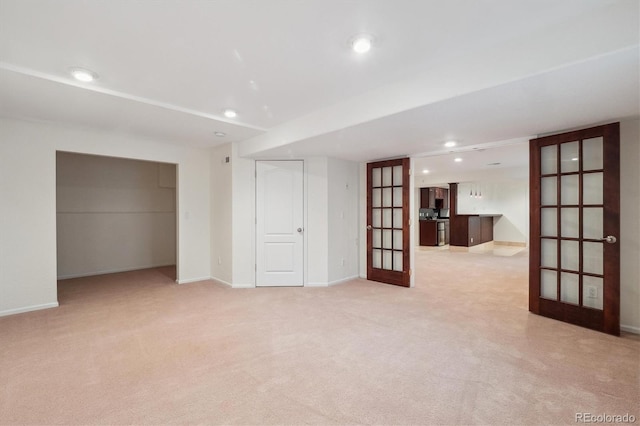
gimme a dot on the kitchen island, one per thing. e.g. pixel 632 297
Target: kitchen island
pixel 469 230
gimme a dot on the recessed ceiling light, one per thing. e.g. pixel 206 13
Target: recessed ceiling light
pixel 493 164
pixel 220 134
pixel 574 159
pixel 457 160
pixel 361 44
pixel 450 144
pixel 425 171
pixel 83 74
pixel 229 113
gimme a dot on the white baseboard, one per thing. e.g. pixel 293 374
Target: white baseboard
pixel 228 284
pixel 110 271
pixel 343 280
pixel 222 281
pixel 245 285
pixel 331 283
pixel 630 329
pixel 193 280
pixel 28 309
pixel 363 276
pixel 510 243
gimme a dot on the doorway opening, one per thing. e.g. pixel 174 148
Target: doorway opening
pixel 114 215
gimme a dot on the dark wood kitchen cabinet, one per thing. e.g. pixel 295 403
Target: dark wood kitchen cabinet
pixel 434 198
pixel 429 232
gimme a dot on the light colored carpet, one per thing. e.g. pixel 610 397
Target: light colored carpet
pixel 460 348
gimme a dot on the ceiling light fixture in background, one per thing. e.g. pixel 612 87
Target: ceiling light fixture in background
pixel 83 74
pixel 450 144
pixel 229 113
pixel 457 159
pixel 361 43
pixel 425 171
pixel 220 134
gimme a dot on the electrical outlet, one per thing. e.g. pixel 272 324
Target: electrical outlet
pixel 592 292
pixel 343 261
pixel 219 260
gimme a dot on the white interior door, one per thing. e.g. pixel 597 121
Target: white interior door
pixel 279 223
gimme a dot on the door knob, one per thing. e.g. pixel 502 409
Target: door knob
pixel 610 239
pixel 369 228
pixel 300 230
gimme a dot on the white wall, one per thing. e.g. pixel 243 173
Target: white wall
pixel 362 217
pixel 508 198
pixel 243 220
pixel 221 214
pixel 630 225
pixel 28 207
pixel 113 214
pixel 317 226
pixel 343 194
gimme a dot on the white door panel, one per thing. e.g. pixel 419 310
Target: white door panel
pixel 279 223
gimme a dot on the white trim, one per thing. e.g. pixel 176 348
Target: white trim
pixel 28 309
pixel 111 271
pixel 343 280
pixel 249 285
pixel 172 107
pixel 630 329
pixel 193 280
pixel 363 276
pixel 316 285
pixel 228 284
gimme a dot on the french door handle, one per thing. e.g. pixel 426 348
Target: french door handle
pixel 369 228
pixel 610 239
pixel 300 230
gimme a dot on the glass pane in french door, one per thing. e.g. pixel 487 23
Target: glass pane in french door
pixel 387 216
pixel 570 242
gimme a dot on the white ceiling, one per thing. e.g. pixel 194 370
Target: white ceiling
pixel 485 72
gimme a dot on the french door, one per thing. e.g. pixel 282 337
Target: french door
pixel 388 255
pixel 575 224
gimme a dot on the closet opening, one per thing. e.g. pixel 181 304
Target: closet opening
pixel 114 217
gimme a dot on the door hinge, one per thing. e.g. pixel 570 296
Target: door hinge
pixel 409 222
pixel 409 172
pixel 410 272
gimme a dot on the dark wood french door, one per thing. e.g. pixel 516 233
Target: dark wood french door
pixel 575 223
pixel 388 255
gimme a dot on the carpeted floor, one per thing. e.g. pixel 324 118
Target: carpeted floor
pixel 459 348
